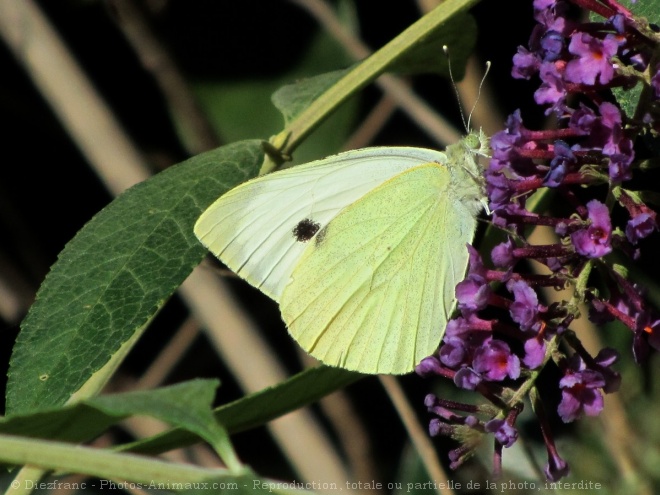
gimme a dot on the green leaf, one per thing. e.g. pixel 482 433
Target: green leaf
pixel 412 475
pixel 650 9
pixel 88 418
pixel 292 99
pixel 259 408
pixel 629 98
pixel 115 274
pixel 460 37
pixel 185 405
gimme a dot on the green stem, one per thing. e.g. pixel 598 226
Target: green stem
pixel 531 380
pixel 49 455
pixel 24 481
pixel 363 74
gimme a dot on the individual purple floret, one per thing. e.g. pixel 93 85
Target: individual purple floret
pixel 595 239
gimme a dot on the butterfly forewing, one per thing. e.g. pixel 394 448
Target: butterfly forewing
pixel 255 229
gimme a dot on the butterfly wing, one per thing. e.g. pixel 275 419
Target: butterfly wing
pixel 373 290
pixel 261 228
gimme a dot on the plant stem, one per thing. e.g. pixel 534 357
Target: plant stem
pixel 49 455
pixel 364 73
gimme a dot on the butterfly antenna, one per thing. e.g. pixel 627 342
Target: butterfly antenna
pixel 478 93
pixel 445 49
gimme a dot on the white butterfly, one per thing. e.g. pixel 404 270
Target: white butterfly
pixel 362 250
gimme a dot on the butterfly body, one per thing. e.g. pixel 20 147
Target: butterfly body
pixel 361 250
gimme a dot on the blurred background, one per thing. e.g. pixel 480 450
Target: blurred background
pixel 156 81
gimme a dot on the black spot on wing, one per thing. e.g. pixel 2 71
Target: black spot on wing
pixel 305 230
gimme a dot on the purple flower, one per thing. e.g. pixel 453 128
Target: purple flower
pixel 504 432
pixel 534 353
pixel 429 366
pixel 454 352
pixel 473 292
pixel 620 161
pixel 552 45
pixel 583 120
pixel 563 161
pixel 616 146
pixel 640 227
pixel 607 357
pixel 435 406
pixel 495 361
pixel 502 254
pixel 438 427
pixel 458 327
pixel 581 397
pixel 619 23
pixel 459 342
pixel 604 360
pixel 475 263
pixel 448 422
pixel 611 120
pixel 506 144
pixel 499 189
pixel 556 468
pixel 647 333
pixel 598 312
pixel 589 155
pixel 510 217
pixel 605 134
pixel 594 241
pixel 525 308
pixel 552 90
pixel 525 64
pixel 552 15
pixel 580 392
pixel 467 378
pixel 594 59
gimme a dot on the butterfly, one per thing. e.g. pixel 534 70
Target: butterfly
pixel 362 250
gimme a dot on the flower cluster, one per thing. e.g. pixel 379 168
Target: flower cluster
pixel 505 335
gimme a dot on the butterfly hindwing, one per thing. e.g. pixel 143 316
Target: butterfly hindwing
pixel 374 289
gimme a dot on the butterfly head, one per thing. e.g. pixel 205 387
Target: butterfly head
pixel 467 174
pixel 465 153
pixel 477 143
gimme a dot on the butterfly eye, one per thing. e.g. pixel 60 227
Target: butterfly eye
pixel 472 141
pixel 305 230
